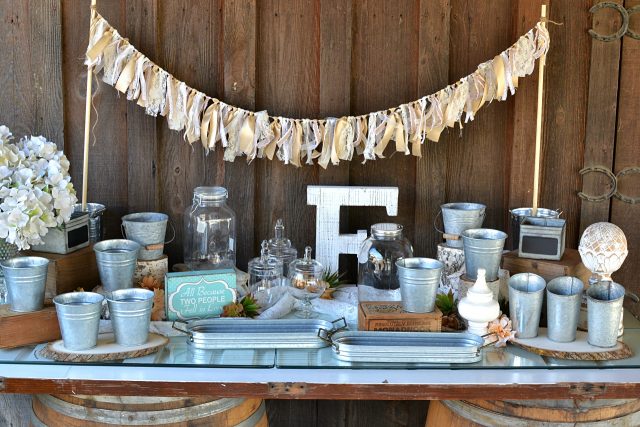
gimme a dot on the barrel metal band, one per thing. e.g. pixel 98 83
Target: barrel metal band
pixel 142 417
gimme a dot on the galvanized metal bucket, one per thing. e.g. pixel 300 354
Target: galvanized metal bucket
pixel 130 311
pixel 419 279
pixel 564 296
pixel 26 279
pixel 458 217
pixel 96 224
pixel 79 319
pixel 604 308
pixel 148 229
pixel 518 215
pixel 483 249
pixel 526 292
pixel 116 261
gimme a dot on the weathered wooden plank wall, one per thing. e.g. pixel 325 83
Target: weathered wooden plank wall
pixel 329 58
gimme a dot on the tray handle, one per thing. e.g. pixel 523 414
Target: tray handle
pixel 184 331
pixel 325 336
pixel 338 325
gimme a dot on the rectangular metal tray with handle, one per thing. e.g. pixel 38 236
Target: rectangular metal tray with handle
pixel 224 333
pixel 405 347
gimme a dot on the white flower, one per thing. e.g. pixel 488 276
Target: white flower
pixel 35 189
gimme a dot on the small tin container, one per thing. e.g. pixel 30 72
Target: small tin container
pixel 71 236
pixel 564 296
pixel 130 311
pixel 604 308
pixel 542 238
pixel 419 279
pixel 26 279
pixel 526 292
pixel 518 215
pixel 79 319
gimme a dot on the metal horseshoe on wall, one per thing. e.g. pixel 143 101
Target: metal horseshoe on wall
pixel 613 192
pixel 622 197
pixel 624 28
pixel 609 174
pixel 630 32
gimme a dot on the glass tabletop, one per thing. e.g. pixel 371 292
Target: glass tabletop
pixel 177 353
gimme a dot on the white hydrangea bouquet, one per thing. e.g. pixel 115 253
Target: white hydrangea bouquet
pixel 36 192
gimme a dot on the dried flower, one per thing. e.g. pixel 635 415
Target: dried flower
pixel 502 329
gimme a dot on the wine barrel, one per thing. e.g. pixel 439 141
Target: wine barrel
pixel 533 413
pixel 101 411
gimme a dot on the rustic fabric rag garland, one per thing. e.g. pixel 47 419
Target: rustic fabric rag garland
pixel 301 141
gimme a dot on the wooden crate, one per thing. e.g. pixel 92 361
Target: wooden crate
pixel 569 265
pixel 70 271
pixel 18 329
pixel 389 316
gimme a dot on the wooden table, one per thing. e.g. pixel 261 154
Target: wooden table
pixel 338 384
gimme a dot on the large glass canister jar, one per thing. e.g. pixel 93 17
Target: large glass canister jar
pixel 377 273
pixel 209 231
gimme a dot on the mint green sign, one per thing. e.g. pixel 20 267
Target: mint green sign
pixel 198 295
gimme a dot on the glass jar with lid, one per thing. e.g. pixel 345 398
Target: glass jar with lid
pixel 281 248
pixel 209 231
pixel 305 277
pixel 377 273
pixel 265 278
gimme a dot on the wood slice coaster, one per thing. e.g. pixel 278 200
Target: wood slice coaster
pixel 579 349
pixel 106 350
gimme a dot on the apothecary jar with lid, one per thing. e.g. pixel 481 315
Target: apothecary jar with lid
pixel 209 230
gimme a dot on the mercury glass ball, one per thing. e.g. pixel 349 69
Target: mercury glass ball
pixel 603 247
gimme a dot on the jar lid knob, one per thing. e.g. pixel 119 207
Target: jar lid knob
pixel 264 252
pixel 307 253
pixel 279 228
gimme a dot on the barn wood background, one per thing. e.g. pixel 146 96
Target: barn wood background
pixel 334 57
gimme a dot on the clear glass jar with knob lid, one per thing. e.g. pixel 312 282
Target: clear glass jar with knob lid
pixel 377 273
pixel 209 230
pixel 281 248
pixel 265 278
pixel 306 283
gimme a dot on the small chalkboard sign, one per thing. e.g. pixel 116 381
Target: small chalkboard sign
pixel 542 238
pixel 199 294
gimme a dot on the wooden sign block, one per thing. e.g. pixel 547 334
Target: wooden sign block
pixel 18 329
pixel 70 271
pixel 569 265
pixel 389 316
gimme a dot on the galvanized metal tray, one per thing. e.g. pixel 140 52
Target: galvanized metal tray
pixel 404 347
pixel 216 334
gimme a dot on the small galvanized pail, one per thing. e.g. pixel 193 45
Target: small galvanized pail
pixel 26 279
pixel 116 261
pixel 518 215
pixel 526 292
pixel 79 319
pixel 604 308
pixel 148 229
pixel 96 224
pixel 483 249
pixel 458 217
pixel 564 296
pixel 130 311
pixel 419 279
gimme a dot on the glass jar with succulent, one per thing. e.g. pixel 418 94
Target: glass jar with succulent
pixel 36 192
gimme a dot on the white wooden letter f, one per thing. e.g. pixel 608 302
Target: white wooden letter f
pixel 328 199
